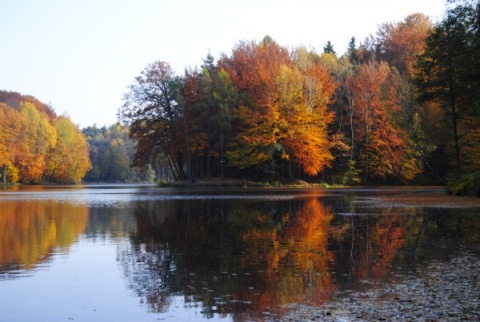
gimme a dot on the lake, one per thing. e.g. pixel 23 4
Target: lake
pixel 142 253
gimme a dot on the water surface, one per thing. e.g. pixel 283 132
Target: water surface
pixel 141 253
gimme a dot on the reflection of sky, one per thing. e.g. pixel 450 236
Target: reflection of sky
pixel 179 310
pixel 92 289
pixel 120 196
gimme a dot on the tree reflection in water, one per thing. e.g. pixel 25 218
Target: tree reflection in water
pixel 31 231
pixel 250 257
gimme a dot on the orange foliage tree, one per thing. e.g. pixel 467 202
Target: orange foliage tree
pixel 380 147
pixel 282 112
pixel 400 43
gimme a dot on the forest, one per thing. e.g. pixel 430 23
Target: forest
pixel 39 147
pixel 400 107
pixel 36 145
pixel 111 154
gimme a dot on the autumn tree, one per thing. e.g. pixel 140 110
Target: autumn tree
pixel 253 73
pixel 253 68
pixel 344 168
pixel 380 148
pixel 33 145
pixel 400 43
pixel 307 138
pixel 9 133
pixel 225 95
pixel 209 98
pixel 68 161
pixel 35 139
pixel 152 112
pixel 282 110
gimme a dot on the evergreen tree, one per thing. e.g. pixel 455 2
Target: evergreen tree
pixel 448 71
pixel 328 48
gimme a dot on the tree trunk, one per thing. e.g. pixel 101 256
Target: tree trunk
pixel 222 160
pixel 4 174
pixel 190 172
pixel 454 120
pixel 209 161
pixel 173 168
pixel 366 145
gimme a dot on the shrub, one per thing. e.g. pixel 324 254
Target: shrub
pixel 465 185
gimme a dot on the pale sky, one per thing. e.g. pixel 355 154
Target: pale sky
pixel 79 56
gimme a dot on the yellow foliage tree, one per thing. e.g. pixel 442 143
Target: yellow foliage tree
pixel 69 160
pixel 8 143
pixel 35 138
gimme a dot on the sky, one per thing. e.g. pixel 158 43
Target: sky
pixel 79 56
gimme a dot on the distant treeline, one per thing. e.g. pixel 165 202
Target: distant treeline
pixel 401 107
pixel 39 147
pixel 111 154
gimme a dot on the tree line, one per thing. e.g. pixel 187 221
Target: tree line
pixel 402 106
pixel 36 145
pixel 111 154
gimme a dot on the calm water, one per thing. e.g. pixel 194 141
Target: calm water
pixel 140 253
